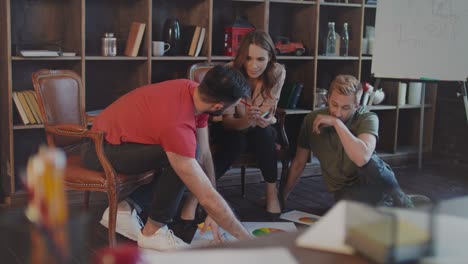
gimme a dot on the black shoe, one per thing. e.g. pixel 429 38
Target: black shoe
pixel 185 224
pixel 272 217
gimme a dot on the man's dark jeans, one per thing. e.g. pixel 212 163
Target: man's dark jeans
pixel 162 196
pixel 375 180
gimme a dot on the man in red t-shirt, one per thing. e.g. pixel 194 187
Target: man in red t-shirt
pixel 162 126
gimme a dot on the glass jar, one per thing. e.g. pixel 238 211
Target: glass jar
pixel 108 44
pixel 320 98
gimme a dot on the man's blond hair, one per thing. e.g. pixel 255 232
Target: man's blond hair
pixel 346 85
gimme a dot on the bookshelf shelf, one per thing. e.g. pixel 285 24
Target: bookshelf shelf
pixel 381 107
pixel 18 58
pixel 179 58
pixel 339 58
pixel 295 2
pixel 26 127
pixel 116 58
pixel 295 58
pixel 331 4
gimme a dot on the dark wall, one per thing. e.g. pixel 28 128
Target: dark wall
pixel 451 125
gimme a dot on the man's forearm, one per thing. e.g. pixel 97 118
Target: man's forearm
pixel 206 163
pixel 356 149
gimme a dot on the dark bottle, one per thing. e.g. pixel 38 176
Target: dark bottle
pixel 171 35
pixel 344 48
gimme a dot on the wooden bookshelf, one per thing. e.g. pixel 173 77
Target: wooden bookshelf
pixel 78 26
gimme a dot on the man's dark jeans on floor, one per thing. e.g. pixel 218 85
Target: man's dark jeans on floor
pixel 162 196
pixel 375 180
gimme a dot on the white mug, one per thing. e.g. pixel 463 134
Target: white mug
pixel 159 48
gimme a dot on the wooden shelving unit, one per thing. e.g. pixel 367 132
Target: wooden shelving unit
pixel 79 24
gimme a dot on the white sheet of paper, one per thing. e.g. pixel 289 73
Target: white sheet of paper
pixel 226 256
pixel 300 217
pixel 328 233
pixel 255 228
pixel 206 239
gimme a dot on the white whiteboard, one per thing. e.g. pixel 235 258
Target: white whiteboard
pixel 417 39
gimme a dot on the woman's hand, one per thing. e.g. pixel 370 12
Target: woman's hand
pixel 265 121
pixel 253 114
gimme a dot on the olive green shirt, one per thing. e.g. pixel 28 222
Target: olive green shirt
pixel 337 168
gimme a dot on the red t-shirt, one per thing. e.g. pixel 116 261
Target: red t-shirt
pixel 161 113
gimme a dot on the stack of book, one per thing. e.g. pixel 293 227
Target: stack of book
pixel 193 38
pixel 27 106
pixel 290 95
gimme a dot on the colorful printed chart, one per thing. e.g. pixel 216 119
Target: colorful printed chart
pixel 267 228
pixel 307 219
pixel 266 231
pixel 300 217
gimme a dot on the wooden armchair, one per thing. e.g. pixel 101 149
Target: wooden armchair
pixel 60 96
pixel 197 73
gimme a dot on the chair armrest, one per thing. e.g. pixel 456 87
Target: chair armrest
pixel 77 131
pixel 90 118
pixel 281 117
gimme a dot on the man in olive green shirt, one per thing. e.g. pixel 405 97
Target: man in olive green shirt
pixel 343 138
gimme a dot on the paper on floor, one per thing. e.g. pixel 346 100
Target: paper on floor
pixel 255 228
pixel 300 217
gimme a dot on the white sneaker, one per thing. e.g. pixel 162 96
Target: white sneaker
pixel 163 239
pixel 128 223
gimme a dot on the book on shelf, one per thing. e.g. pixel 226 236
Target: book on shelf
pixel 27 109
pixel 32 101
pixel 290 95
pixel 296 95
pixel 39 53
pixel 29 101
pixel 134 39
pixel 19 107
pixel 27 106
pixel 193 44
pixel 286 93
pixel 201 39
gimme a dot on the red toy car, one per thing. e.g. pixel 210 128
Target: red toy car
pixel 284 46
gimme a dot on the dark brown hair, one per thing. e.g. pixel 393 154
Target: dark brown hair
pixel 225 84
pixel 263 40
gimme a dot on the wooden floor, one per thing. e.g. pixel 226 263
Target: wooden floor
pixel 439 181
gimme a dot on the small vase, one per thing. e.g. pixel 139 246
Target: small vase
pixel 171 35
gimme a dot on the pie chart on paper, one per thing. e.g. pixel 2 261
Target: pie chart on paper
pixel 266 231
pixel 308 220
